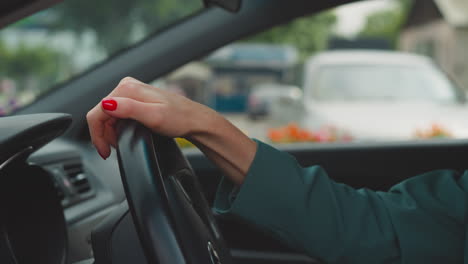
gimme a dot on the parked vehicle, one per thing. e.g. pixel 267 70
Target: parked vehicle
pixel 239 67
pixel 381 95
pixel 263 96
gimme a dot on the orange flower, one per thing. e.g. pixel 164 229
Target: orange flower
pixel 304 135
pixel 293 130
pixel 435 131
pixel 276 135
pixel 293 133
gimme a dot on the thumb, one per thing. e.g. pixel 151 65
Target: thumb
pixel 123 108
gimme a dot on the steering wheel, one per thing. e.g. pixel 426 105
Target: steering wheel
pixel 171 216
pixel 32 223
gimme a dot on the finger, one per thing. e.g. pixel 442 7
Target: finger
pixel 149 114
pixel 132 88
pixel 96 121
pixel 101 124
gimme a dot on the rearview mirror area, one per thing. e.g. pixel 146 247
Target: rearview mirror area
pixel 229 5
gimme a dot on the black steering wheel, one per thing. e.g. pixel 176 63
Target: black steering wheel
pixel 172 218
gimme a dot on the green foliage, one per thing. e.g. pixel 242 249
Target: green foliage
pixel 387 24
pixel 308 34
pixel 22 62
pixel 3 57
pixel 115 22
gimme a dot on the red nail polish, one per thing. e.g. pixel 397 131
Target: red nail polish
pixel 102 156
pixel 109 104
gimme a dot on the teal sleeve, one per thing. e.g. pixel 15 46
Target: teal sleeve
pixel 421 220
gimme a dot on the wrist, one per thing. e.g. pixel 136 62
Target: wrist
pixel 223 143
pixel 206 124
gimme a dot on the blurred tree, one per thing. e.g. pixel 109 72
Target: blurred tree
pixel 386 24
pixel 116 22
pixel 21 63
pixel 309 34
pixel 3 58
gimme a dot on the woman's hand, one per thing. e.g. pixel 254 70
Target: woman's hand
pixel 162 111
pixel 172 115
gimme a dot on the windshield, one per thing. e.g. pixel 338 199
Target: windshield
pixel 40 52
pixel 381 83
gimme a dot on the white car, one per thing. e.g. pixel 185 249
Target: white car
pixel 381 95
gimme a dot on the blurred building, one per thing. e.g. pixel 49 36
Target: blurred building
pixel 239 68
pixel 191 81
pixel 365 43
pixel 439 29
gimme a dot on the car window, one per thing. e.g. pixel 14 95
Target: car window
pixel 40 52
pixel 367 71
pixel 380 82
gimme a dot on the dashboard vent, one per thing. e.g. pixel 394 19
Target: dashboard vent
pixel 72 183
pixel 77 178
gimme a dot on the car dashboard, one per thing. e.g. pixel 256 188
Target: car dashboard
pixel 89 189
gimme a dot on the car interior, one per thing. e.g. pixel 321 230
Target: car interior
pixel 149 202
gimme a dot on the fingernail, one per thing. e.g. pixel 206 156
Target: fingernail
pixel 102 156
pixel 109 104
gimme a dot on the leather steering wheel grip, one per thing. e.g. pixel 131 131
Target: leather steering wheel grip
pixel 172 218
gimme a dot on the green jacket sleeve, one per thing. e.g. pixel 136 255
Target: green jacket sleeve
pixel 421 220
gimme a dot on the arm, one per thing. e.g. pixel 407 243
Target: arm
pixel 230 149
pixel 421 220
pixel 176 116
